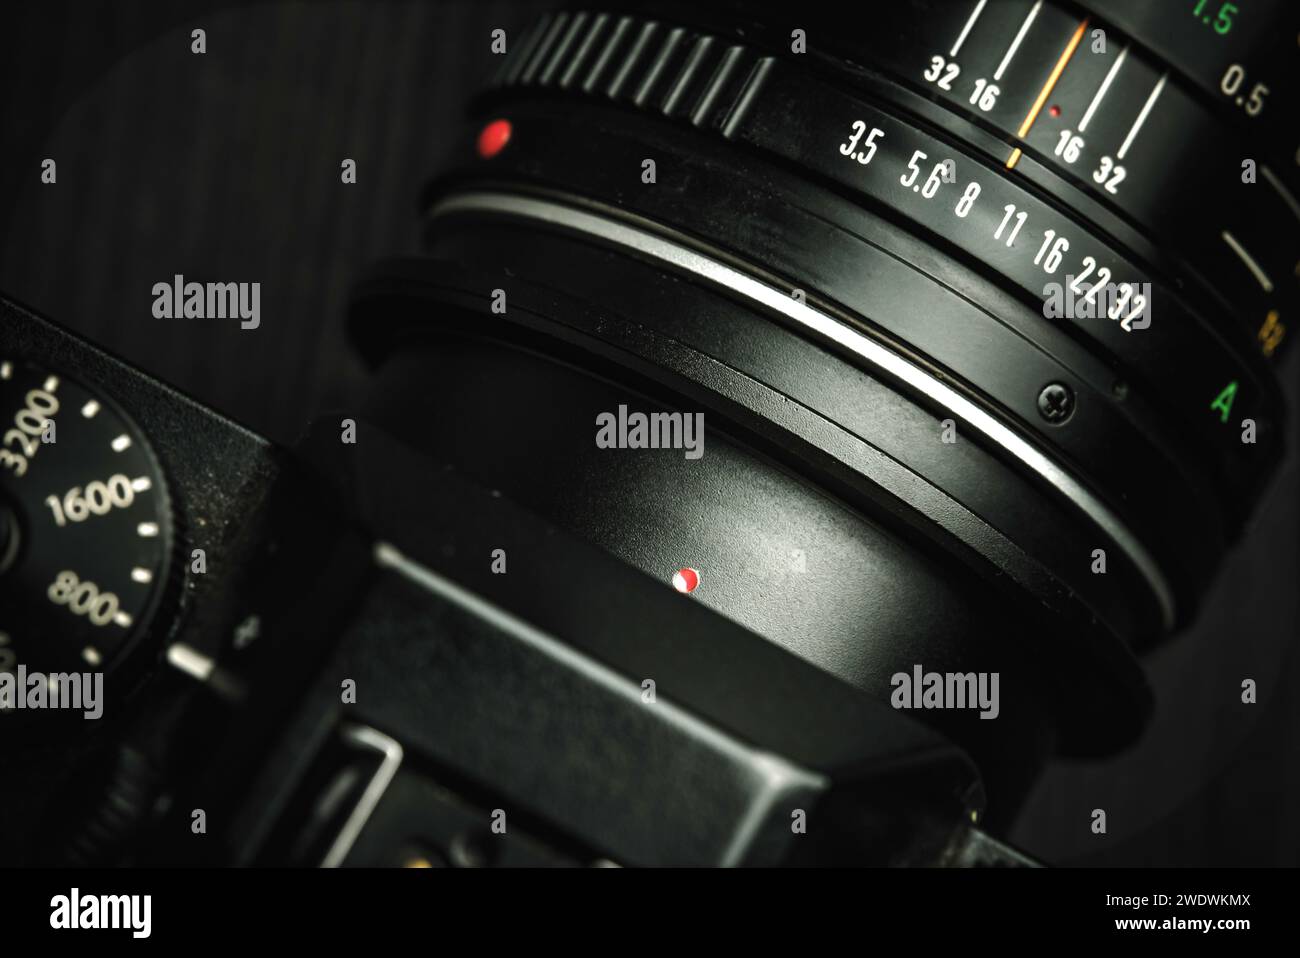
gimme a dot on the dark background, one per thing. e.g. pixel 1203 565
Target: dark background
pixel 225 167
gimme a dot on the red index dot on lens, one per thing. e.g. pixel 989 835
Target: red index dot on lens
pixel 1055 110
pixel 493 139
pixel 685 580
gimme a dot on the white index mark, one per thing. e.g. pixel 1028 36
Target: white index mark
pixel 1142 117
pixel 90 410
pixel 91 655
pixel 1246 258
pixel 979 8
pixel 123 619
pixel 143 576
pixel 147 530
pixel 1101 90
pixel 1282 190
pixel 51 383
pixel 141 485
pixel 190 661
pixel 6 370
pixel 122 443
pixel 1015 44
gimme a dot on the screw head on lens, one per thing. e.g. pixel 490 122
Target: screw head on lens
pixel 1056 402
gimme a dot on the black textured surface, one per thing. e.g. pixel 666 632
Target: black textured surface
pixel 222 474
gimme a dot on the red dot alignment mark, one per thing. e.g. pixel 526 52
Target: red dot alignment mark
pixel 1055 110
pixel 686 580
pixel 493 138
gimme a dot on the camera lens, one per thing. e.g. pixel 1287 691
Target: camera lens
pixel 982 389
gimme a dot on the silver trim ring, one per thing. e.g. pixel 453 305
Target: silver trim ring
pixel 686 260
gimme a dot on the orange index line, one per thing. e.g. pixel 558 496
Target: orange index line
pixel 1046 91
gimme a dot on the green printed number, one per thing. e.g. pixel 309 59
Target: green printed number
pixel 1222 21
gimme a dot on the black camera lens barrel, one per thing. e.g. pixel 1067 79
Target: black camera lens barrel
pixel 839 265
pixel 910 583
pixel 914 444
pixel 1173 97
pixel 806 121
pixel 1167 102
pixel 1166 377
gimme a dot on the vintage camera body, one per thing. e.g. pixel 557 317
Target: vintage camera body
pixel 461 624
pixel 351 682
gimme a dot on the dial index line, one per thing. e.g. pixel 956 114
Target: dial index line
pixel 1015 44
pixel 1046 91
pixel 1101 90
pixel 979 8
pixel 1142 117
